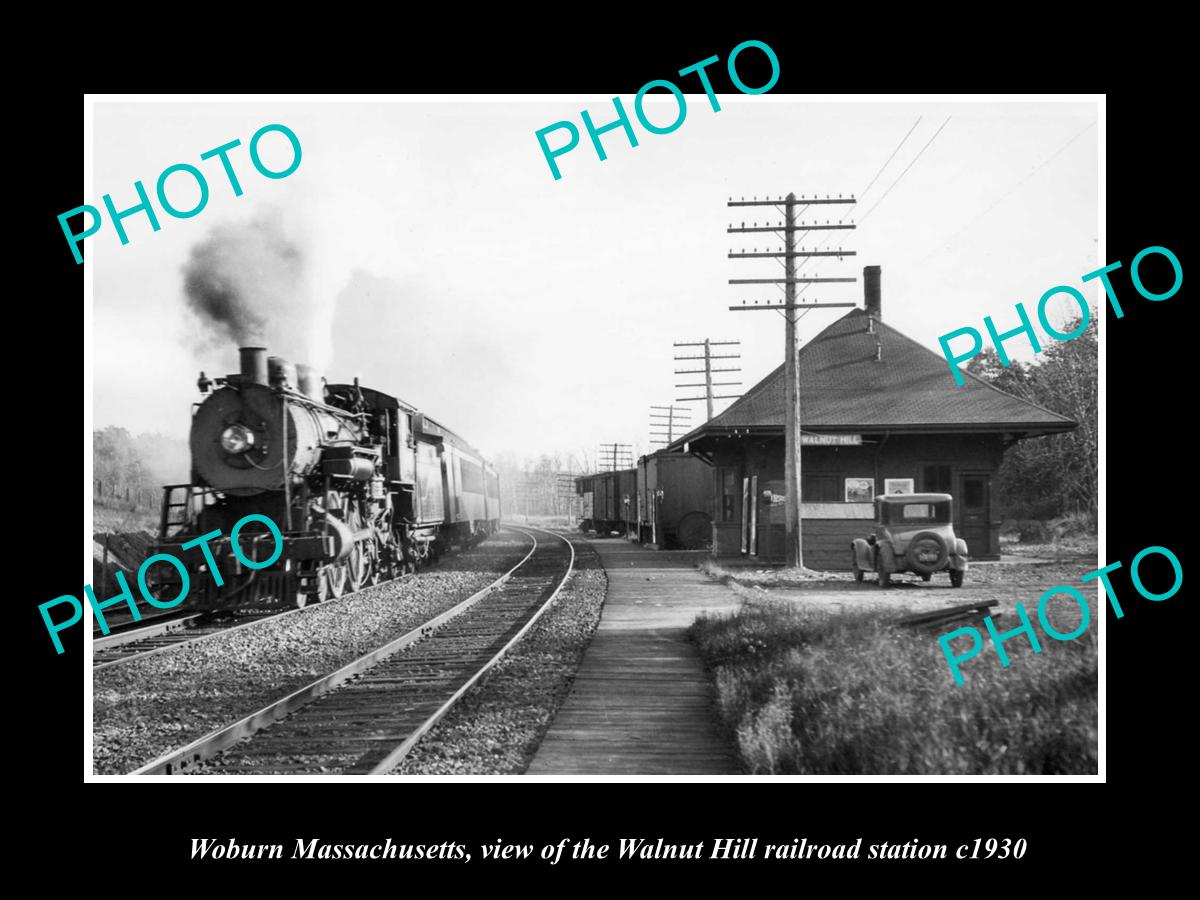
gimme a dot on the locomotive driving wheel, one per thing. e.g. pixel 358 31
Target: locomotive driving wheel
pixel 358 567
pixel 335 576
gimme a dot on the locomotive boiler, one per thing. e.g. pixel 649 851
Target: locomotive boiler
pixel 362 486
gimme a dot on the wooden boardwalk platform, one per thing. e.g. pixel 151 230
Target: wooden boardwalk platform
pixel 642 703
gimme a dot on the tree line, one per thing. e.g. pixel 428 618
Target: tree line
pixel 1055 475
pixel 129 469
pixel 538 486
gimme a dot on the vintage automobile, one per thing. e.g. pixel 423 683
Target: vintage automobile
pixel 913 533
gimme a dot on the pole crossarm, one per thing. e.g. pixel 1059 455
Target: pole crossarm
pixel 790 229
pixel 804 201
pixel 786 306
pixel 792 280
pixel 793 255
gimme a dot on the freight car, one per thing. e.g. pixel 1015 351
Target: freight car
pixel 675 501
pixel 363 487
pixel 666 500
pixel 613 504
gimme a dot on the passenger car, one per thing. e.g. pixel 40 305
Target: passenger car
pixel 913 533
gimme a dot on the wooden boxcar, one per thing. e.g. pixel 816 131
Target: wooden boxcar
pixel 613 504
pixel 675 501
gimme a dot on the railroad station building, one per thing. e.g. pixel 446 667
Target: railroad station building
pixel 880 413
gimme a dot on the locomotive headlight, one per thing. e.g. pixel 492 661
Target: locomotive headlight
pixel 237 439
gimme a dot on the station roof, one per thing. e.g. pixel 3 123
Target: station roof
pixel 844 388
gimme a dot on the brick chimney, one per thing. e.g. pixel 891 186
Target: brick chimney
pixel 871 292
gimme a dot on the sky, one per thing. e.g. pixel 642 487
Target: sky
pixel 535 315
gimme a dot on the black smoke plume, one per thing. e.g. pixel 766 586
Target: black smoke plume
pixel 247 283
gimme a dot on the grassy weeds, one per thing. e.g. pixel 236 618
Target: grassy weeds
pixel 820 692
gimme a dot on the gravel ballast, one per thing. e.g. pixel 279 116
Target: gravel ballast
pixel 495 729
pixel 145 708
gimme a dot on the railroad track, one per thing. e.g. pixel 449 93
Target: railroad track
pixel 130 640
pixel 135 643
pixel 365 717
pixel 120 621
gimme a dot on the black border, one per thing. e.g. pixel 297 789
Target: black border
pixel 1148 405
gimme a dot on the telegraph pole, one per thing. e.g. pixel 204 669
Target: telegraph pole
pixel 708 371
pixel 791 433
pixel 564 494
pixel 616 456
pixel 674 415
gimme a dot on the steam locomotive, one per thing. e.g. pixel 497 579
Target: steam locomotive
pixel 362 486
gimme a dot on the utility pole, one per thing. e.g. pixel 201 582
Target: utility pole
pixel 675 415
pixel 615 456
pixel 791 433
pixel 564 495
pixel 708 371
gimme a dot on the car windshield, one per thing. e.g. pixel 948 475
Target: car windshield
pixel 918 513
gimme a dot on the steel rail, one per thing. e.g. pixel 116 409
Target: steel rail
pixel 126 633
pixel 108 642
pixel 215 741
pixel 389 762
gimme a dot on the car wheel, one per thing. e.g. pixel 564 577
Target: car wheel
pixel 956 578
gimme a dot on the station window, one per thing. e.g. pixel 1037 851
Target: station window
pixel 820 489
pixel 937 479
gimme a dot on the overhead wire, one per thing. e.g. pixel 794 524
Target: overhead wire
pixel 900 177
pixel 1057 153
pixel 862 193
pixel 871 184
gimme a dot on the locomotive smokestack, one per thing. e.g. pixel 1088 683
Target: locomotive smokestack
pixel 281 372
pixel 309 382
pixel 254 364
